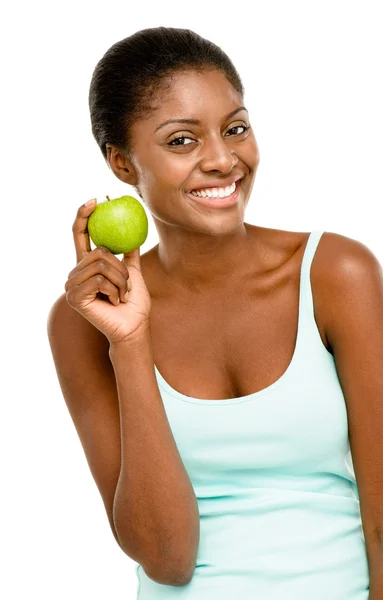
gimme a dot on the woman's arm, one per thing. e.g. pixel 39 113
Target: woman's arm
pixel 114 401
pixel 352 278
pixel 155 505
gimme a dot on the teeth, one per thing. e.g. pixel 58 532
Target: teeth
pixel 215 192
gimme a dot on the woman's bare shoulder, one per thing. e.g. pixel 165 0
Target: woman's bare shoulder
pixel 64 320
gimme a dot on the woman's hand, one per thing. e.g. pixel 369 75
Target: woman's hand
pixel 108 292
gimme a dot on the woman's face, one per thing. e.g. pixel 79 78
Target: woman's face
pixel 213 147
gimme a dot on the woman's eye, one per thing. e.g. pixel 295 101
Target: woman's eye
pixel 181 140
pixel 176 141
pixel 239 127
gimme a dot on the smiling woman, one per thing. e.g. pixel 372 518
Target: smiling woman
pixel 241 484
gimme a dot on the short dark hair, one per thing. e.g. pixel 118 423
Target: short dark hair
pixel 126 78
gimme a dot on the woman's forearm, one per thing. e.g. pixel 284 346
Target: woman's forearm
pixel 155 509
pixel 375 564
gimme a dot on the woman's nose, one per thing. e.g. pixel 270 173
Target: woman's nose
pixel 217 156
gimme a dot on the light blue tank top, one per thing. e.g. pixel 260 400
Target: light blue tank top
pixel 273 475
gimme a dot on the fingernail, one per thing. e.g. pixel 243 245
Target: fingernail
pixel 90 202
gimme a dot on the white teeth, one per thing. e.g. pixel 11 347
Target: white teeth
pixel 215 192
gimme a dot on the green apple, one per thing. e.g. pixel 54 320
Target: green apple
pixel 121 224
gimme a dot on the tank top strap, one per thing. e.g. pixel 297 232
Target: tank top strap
pixel 306 296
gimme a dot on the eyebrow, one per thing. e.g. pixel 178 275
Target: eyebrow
pixel 195 121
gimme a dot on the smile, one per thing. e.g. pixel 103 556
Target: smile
pixel 217 197
pixel 215 192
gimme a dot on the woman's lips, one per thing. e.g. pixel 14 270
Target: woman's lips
pixel 219 202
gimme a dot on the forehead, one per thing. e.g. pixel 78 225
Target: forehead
pixel 200 95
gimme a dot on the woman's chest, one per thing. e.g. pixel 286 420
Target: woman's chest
pixel 236 342
pixel 224 351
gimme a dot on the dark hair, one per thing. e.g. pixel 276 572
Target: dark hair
pixel 126 78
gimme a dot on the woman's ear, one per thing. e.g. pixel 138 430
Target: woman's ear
pixel 121 165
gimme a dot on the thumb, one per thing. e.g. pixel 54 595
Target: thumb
pixel 132 259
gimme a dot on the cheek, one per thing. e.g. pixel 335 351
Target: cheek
pixel 170 170
pixel 253 151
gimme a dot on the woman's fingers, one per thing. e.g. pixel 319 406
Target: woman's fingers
pixel 101 253
pixel 80 230
pixel 90 288
pixel 100 261
pixel 106 271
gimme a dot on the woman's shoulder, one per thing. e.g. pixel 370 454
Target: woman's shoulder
pixel 345 265
pixel 66 323
pixel 334 250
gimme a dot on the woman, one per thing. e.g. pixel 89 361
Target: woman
pixel 218 382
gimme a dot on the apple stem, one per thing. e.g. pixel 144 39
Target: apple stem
pixel 108 197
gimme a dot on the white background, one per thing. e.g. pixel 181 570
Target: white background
pixel 313 78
